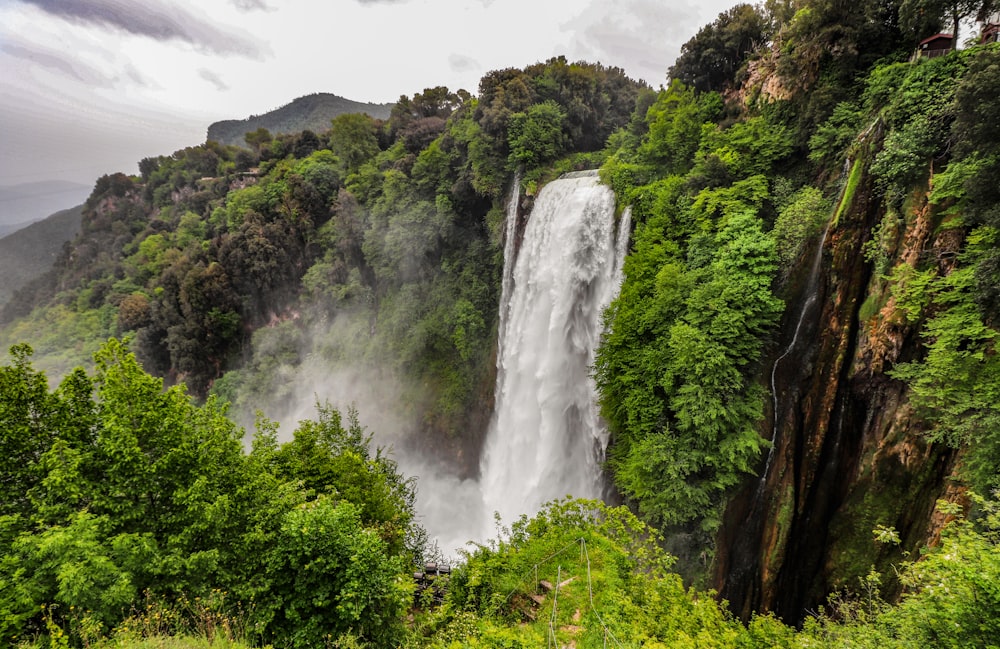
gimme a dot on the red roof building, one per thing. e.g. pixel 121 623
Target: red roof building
pixel 936 45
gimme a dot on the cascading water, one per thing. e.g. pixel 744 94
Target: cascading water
pixel 546 439
pixel 509 252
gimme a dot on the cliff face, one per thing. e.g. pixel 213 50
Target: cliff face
pixel 847 450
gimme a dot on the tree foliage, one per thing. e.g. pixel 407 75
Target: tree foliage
pixel 129 491
pixel 710 60
pixel 674 369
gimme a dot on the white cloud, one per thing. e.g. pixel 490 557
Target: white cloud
pixel 642 36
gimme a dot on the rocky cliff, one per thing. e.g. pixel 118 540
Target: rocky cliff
pixel 848 454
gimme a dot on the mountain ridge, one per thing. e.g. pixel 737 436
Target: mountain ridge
pixel 309 112
pixel 32 250
pixel 25 203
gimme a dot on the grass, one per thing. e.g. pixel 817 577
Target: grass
pixel 172 642
pixel 852 185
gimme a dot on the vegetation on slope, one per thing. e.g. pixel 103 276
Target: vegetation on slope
pixel 32 250
pixel 119 496
pixel 690 322
pixel 956 387
pixel 392 225
pixel 726 196
pixel 131 518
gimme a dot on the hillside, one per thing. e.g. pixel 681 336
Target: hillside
pixel 29 202
pixel 32 250
pixel 312 112
pixel 13 227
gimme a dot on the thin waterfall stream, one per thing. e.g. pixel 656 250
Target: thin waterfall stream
pixel 811 289
pixel 812 286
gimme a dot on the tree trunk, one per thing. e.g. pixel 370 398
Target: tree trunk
pixel 955 19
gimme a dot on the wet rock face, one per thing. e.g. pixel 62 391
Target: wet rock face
pixel 848 453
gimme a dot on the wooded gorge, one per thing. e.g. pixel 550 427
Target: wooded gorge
pixel 798 375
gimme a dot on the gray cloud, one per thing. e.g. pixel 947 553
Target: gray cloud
pixel 462 63
pixel 213 79
pixel 250 5
pixel 153 19
pixel 642 36
pixel 133 75
pixel 57 62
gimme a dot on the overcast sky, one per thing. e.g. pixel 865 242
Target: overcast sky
pixel 89 87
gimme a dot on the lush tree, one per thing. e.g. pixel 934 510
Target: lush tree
pixel 710 60
pixel 327 575
pixel 131 491
pixel 327 458
pixel 674 130
pixel 353 141
pixel 536 136
pixel 306 143
pixel 258 139
pixel 26 409
pixel 920 15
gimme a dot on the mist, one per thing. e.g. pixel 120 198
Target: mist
pixel 331 363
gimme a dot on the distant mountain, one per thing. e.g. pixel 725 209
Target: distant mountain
pixel 30 202
pixel 312 112
pixel 8 228
pixel 31 251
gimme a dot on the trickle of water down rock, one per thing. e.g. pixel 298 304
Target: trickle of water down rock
pixel 547 439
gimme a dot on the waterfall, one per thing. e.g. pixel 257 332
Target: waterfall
pixel 812 288
pixel 546 439
pixel 509 253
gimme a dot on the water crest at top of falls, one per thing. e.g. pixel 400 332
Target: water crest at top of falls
pixel 547 440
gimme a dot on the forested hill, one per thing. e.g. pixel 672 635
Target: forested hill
pixel 799 375
pixel 311 112
pixel 392 226
pixel 33 250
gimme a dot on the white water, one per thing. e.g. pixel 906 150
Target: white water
pixel 546 440
pixel 509 252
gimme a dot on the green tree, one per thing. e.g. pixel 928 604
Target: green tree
pixel 710 60
pixel 353 141
pixel 327 575
pixel 328 459
pixel 536 136
pixel 26 410
pixel 134 491
pixel 258 139
pixel 674 130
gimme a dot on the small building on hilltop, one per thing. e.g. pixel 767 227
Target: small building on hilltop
pixel 936 45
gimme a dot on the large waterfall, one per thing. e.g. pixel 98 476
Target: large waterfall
pixel 547 440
